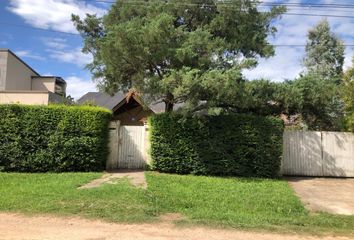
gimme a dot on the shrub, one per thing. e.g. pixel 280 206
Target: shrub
pixel 227 145
pixel 350 122
pixel 53 138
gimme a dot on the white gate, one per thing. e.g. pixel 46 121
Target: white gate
pixel 324 154
pixel 127 147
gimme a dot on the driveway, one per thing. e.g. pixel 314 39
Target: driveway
pixel 16 227
pixel 332 195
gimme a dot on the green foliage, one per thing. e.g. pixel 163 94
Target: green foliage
pixel 227 145
pixel 350 122
pixel 348 96
pixel 320 104
pixel 170 49
pixel 52 138
pixel 324 53
pixel 263 97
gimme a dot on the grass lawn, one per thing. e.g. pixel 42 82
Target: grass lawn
pixel 230 202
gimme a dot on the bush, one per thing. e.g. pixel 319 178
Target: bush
pixel 350 122
pixel 53 138
pixel 227 145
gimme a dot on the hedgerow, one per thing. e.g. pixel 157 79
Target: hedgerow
pixel 227 145
pixel 350 122
pixel 54 138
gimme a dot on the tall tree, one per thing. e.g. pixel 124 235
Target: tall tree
pixel 188 51
pixel 324 53
pixel 320 104
pixel 348 88
pixel 348 96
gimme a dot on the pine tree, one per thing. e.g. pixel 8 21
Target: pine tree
pixel 324 53
pixel 189 51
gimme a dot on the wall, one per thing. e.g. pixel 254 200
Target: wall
pixel 3 64
pixel 323 154
pixel 55 98
pixel 18 75
pixel 43 84
pixel 30 98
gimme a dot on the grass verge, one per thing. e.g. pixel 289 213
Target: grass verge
pixel 256 204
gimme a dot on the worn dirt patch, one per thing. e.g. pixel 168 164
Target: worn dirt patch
pixel 136 178
pixel 333 195
pixel 16 227
pixel 172 217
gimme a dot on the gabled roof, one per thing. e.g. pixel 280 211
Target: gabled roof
pixel 111 102
pixel 19 59
pixel 102 99
pixel 59 79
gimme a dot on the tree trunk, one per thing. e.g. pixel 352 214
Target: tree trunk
pixel 169 101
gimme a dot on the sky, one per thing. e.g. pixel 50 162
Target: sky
pixel 50 52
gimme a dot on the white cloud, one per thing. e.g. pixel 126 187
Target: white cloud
pixel 348 58
pixel 74 56
pixel 52 14
pixel 56 43
pixel 279 67
pixel 287 63
pixel 28 54
pixel 77 87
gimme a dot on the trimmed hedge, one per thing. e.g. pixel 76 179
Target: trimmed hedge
pixel 227 145
pixel 54 138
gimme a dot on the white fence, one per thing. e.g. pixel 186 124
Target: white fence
pixel 127 146
pixel 329 154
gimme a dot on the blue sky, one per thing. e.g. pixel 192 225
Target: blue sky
pixel 59 54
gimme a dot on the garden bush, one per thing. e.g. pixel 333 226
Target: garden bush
pixel 54 138
pixel 226 145
pixel 350 122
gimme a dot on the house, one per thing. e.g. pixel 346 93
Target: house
pixel 19 83
pixel 128 108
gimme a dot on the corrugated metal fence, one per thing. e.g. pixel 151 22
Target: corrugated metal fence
pixel 308 153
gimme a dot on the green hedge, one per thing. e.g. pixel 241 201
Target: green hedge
pixel 53 138
pixel 228 145
pixel 350 122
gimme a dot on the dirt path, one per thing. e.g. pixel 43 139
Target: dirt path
pixel 136 178
pixel 333 195
pixel 16 226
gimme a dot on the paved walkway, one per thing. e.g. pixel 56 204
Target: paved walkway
pixel 19 227
pixel 333 195
pixel 136 178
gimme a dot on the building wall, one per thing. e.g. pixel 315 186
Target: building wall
pixel 55 98
pixel 3 64
pixel 18 75
pixel 43 84
pixel 29 98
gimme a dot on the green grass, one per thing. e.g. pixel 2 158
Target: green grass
pixel 58 193
pixel 227 202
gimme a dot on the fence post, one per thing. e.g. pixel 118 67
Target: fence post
pixel 113 145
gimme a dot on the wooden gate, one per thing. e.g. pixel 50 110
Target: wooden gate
pixel 323 154
pixel 127 146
